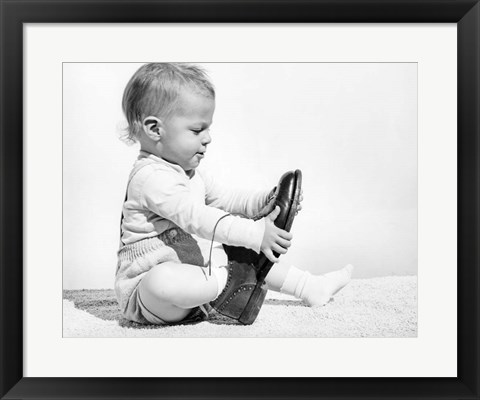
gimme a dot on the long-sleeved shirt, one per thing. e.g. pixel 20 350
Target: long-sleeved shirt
pixel 162 195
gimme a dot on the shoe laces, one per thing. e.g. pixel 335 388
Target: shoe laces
pixel 209 264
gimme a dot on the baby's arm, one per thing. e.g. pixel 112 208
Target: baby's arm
pixel 169 196
pixel 243 202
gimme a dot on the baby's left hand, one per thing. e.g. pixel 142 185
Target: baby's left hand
pixel 299 204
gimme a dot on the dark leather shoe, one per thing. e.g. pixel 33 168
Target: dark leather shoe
pixel 241 282
pixel 252 295
pixel 286 197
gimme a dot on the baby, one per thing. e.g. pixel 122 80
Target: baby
pixel 173 209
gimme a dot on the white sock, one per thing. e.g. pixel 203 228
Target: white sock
pixel 315 290
pixel 221 274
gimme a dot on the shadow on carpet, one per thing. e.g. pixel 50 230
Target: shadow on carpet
pixel 103 304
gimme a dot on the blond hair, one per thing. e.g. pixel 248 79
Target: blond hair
pixel 155 90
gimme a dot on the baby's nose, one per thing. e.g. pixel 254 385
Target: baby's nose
pixel 206 137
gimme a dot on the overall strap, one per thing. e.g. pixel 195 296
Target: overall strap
pixel 136 168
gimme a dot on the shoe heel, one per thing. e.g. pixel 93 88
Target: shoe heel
pixel 250 313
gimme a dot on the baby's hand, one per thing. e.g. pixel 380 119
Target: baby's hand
pixel 299 204
pixel 274 239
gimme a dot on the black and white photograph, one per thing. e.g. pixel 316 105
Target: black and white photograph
pixel 240 199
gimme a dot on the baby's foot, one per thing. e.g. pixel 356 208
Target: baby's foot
pixel 319 289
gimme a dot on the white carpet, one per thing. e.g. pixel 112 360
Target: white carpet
pixel 377 307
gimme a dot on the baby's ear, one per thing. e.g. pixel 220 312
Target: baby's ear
pixel 153 128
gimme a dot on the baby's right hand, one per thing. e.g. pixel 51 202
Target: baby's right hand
pixel 274 239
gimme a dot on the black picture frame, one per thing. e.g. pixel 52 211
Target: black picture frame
pixel 14 13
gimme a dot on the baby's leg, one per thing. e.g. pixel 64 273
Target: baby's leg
pixel 171 290
pixel 277 275
pixel 315 290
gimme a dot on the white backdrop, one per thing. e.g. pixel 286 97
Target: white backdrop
pixel 350 127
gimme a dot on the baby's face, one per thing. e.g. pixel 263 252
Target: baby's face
pixel 186 132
